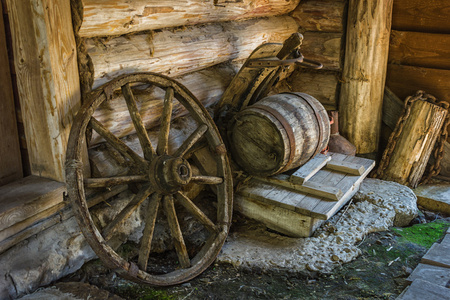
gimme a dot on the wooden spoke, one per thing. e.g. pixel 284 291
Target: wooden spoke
pixel 141 132
pixel 207 179
pixel 112 181
pixel 117 143
pixel 196 212
pixel 147 237
pixel 96 199
pixel 191 140
pixel 137 200
pixel 163 138
pixel 175 230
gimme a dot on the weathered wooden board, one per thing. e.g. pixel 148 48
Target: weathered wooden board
pixel 366 54
pixel 404 81
pixel 435 197
pixel 181 51
pixel 428 50
pixel 24 198
pixel 437 255
pixel 422 289
pixel 118 17
pixel 309 169
pixel 324 15
pixel 47 77
pixel 321 85
pixel 324 47
pixel 434 274
pixel 207 85
pixel 421 16
pixel 10 158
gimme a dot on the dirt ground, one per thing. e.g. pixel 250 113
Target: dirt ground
pixel 379 273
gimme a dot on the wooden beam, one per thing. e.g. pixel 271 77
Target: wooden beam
pixel 422 16
pixel 47 77
pixel 324 15
pixel 118 17
pixel 324 47
pixel 10 158
pixel 428 50
pixel 182 51
pixel 321 85
pixel 361 97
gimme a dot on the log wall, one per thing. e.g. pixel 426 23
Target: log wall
pixel 322 24
pixel 420 49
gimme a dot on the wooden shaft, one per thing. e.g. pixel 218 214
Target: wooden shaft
pixel 163 138
pixel 147 235
pixel 367 45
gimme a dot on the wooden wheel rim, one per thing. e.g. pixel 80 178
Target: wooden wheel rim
pixel 75 183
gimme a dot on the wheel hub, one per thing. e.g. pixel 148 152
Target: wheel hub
pixel 169 174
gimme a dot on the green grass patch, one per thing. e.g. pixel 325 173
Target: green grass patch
pixel 423 234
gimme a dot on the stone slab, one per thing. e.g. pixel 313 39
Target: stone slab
pixel 434 274
pixel 437 255
pixel 421 289
pixel 435 197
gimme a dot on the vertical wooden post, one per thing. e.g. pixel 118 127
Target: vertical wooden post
pixel 10 160
pixel 366 53
pixel 47 76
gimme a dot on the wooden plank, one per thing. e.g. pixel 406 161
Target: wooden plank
pixel 118 17
pixel 404 81
pixel 349 184
pixel 346 167
pixel 10 158
pixel 428 50
pixel 422 16
pixel 309 169
pixel 178 52
pixel 437 255
pixel 435 197
pixel 308 187
pixel 435 274
pixel 321 85
pixel 324 15
pixel 23 199
pixel 361 96
pixel 47 77
pixel 324 47
pixel 422 289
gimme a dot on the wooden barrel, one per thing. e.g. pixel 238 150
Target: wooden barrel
pixel 278 133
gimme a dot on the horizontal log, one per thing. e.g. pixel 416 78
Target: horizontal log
pixel 118 17
pixel 422 16
pixel 406 80
pixel 321 85
pixel 207 85
pixel 324 15
pixel 178 52
pixel 324 47
pixel 429 50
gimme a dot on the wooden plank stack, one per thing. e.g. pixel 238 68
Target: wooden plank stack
pixel 296 205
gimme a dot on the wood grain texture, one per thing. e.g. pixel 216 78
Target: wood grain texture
pixel 324 47
pixel 406 80
pixel 323 16
pixel 414 146
pixel 10 158
pixel 26 197
pixel 428 50
pixel 47 77
pixel 361 97
pixel 323 86
pixel 207 85
pixel 422 16
pixel 177 52
pixel 118 17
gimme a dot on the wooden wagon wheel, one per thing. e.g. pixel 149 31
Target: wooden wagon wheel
pixel 160 175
